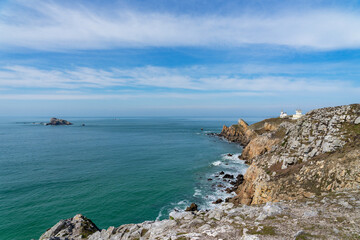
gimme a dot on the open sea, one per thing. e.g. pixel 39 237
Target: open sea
pixel 113 171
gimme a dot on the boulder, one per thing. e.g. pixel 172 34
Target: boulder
pixel 228 176
pixel 239 180
pixel 193 207
pixel 218 201
pixel 357 120
pixel 78 227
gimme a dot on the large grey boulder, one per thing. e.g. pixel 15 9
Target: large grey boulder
pixel 78 227
pixel 357 120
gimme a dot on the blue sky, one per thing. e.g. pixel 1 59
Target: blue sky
pixel 177 58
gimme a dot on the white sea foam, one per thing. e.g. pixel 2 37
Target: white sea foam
pixel 216 163
pixel 234 157
pixel 197 192
pixel 172 207
pixel 160 214
pixel 183 202
pixel 239 161
pixel 208 191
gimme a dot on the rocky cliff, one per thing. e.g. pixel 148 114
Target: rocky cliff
pixel 240 133
pixel 257 138
pixel 303 182
pixel 319 152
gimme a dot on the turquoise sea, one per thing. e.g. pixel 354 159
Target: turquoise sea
pixel 114 171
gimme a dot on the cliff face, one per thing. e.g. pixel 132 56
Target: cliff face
pixel 240 133
pixel 319 152
pixel 257 138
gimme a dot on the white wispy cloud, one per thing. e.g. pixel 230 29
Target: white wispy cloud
pixel 48 25
pixel 126 96
pixel 89 83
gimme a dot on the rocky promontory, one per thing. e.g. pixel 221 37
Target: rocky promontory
pixel 319 152
pixel 303 182
pixel 56 122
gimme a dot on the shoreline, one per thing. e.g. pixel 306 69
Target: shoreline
pixel 302 174
pixel 228 164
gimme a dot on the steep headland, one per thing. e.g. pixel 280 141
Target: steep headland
pixel 302 183
pixel 295 159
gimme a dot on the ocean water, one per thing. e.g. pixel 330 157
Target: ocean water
pixel 114 171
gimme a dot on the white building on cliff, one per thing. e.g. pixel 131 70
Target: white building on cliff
pixel 297 115
pixel 283 114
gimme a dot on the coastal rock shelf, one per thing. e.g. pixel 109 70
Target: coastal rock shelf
pixel 328 216
pixel 302 183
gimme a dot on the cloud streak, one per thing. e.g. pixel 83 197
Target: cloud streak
pixel 89 83
pixel 51 26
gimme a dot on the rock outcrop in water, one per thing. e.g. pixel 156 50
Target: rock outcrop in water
pixel 56 121
pixel 303 183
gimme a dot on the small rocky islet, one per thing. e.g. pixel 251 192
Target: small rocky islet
pixel 57 122
pixel 303 182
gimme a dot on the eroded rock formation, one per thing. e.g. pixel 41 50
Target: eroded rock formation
pixel 240 133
